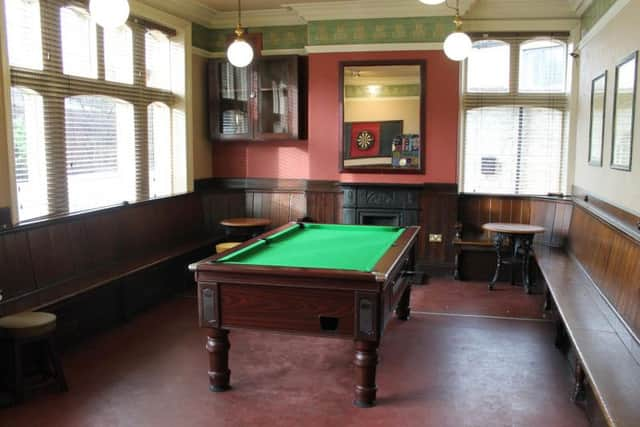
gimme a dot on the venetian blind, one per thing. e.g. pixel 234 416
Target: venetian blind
pixel 90 90
pixel 515 107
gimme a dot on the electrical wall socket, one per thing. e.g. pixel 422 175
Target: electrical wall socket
pixel 435 238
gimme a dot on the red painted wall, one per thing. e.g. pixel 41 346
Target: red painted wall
pixel 318 157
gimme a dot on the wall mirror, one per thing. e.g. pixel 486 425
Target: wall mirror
pixel 382 116
pixel 624 112
pixel 596 131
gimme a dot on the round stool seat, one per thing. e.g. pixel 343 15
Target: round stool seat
pixel 221 247
pixel 27 324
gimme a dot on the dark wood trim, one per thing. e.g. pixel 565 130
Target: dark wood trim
pixel 5 218
pixel 561 198
pixel 422 63
pixel 618 218
pixel 441 188
pixel 276 184
pixel 76 216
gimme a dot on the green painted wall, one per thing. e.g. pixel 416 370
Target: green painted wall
pixel 283 37
pixel 358 31
pixel 370 31
pixel 593 13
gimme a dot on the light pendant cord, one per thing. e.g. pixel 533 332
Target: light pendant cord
pixel 239 30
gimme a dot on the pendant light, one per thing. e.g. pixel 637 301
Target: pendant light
pixel 457 45
pixel 109 13
pixel 239 53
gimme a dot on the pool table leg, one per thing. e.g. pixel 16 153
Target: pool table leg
pixel 218 348
pixel 366 361
pixel 403 310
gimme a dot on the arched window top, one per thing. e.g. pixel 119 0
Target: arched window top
pixel 488 67
pixel 24 33
pixel 543 65
pixel 79 42
pixel 118 54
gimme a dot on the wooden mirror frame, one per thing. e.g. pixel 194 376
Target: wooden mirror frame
pixel 423 98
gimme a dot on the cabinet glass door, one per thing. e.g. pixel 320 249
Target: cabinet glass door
pixel 276 96
pixel 235 93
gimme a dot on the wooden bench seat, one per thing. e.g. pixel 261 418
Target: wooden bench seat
pixel 607 352
pixel 96 269
pixel 102 275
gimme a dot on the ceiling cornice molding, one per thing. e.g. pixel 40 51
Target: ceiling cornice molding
pixel 258 18
pixel 372 9
pixel 509 25
pixel 192 10
pixel 580 5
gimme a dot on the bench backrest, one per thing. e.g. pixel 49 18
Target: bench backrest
pixel 35 258
pixel 608 248
pixel 553 214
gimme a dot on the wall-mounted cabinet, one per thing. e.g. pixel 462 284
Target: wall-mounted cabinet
pixel 265 101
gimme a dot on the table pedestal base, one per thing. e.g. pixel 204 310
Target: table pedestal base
pixel 522 244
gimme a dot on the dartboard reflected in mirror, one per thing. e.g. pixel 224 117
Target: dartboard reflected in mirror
pixel 365 140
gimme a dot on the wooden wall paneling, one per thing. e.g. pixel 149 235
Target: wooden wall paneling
pixel 15 265
pixel 324 207
pixel 543 213
pixel 438 215
pixel 218 205
pixel 298 206
pixel 82 247
pixel 561 224
pixel 610 257
pixel 50 248
pixel 102 232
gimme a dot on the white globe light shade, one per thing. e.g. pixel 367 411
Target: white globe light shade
pixel 109 13
pixel 432 1
pixel 457 46
pixel 240 53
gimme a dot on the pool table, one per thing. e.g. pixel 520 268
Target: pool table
pixel 330 280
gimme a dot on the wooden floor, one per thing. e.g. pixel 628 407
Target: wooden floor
pixel 435 370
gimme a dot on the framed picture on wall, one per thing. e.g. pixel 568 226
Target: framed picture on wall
pixel 623 112
pixel 596 130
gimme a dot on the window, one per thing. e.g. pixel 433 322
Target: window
pixel 158 58
pixel 79 45
pixel 515 117
pixel 82 122
pixel 29 152
pixel 543 66
pixel 100 152
pixel 488 67
pixel 118 55
pixel 160 155
pixel 23 33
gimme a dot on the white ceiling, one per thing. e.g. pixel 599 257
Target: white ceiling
pixel 222 13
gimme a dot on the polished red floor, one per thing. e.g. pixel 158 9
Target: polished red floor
pixel 434 370
pixel 474 298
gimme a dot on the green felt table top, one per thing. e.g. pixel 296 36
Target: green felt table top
pixel 330 246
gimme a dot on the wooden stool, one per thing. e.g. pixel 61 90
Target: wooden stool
pixel 244 228
pixel 26 328
pixel 221 247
